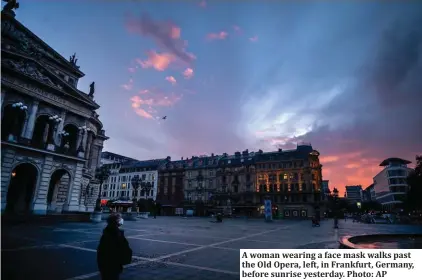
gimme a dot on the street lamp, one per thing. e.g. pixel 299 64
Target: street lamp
pixel 146 187
pixel 335 196
pixel 102 173
pixel 55 119
pixel 136 182
pixel 19 105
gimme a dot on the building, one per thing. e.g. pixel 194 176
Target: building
pixel 200 182
pixel 170 193
pixel 236 179
pixel 292 179
pixel 390 184
pixel 51 138
pixel 368 194
pixel 325 189
pixel 119 185
pixel 353 194
pixel 108 158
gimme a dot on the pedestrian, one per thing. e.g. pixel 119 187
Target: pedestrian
pixel 114 251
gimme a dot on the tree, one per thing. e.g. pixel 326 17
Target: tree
pixel 414 180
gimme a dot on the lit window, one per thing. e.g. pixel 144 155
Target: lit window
pixel 285 176
pixel 123 186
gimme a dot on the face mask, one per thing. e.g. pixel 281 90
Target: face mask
pixel 120 222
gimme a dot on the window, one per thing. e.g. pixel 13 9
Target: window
pixel 124 186
pixel 210 183
pixel 144 176
pixel 189 174
pixel 285 176
pixel 229 161
pixel 211 173
pixel 173 181
pixel 166 181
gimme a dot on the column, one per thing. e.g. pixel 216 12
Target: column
pixel 2 97
pixel 88 149
pixel 74 193
pixel 40 198
pixel 29 130
pixel 60 126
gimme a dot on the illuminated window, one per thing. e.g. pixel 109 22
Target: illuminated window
pixel 285 176
pixel 123 186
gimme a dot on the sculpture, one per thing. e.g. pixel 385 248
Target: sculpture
pixel 10 6
pixel 91 89
pixel 73 59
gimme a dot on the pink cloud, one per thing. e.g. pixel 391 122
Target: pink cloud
pixel 203 4
pixel 129 85
pixel 217 36
pixel 188 73
pixel 237 29
pixel 143 91
pixel 145 105
pixel 157 61
pixel 253 39
pixel 165 34
pixel 171 80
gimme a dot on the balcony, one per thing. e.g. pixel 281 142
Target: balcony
pixel 47 148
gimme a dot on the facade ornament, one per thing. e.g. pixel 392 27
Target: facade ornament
pixel 73 60
pixel 91 89
pixel 10 6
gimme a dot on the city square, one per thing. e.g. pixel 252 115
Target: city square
pixel 201 153
pixel 167 247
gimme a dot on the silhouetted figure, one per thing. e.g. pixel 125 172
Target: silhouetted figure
pixel 165 117
pixel 113 251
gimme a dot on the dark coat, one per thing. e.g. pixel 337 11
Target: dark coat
pixel 113 251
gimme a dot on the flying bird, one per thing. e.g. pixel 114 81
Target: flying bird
pixel 165 117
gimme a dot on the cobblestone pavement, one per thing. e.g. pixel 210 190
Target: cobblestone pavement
pixel 167 248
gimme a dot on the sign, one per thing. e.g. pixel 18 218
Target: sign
pixel 268 210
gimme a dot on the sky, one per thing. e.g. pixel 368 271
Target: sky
pixel 234 75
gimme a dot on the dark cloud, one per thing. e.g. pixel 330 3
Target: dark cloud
pixel 165 34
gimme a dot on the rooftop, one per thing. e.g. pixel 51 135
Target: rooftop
pixel 394 160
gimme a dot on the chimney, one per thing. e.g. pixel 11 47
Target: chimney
pixel 212 155
pixel 182 158
pixel 280 150
pixel 260 151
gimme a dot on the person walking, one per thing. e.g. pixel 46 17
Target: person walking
pixel 114 251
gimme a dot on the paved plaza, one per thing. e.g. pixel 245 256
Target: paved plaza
pixel 166 248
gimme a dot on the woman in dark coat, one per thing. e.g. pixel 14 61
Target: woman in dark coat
pixel 113 251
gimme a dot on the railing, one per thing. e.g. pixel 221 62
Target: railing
pixel 43 146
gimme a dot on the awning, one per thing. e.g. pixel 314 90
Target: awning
pixel 122 202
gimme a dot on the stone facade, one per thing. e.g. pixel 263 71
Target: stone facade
pixel 170 192
pixel 119 184
pixel 292 179
pixel 52 137
pixel 200 181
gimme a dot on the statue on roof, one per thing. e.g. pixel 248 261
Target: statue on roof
pixel 10 6
pixel 73 59
pixel 91 89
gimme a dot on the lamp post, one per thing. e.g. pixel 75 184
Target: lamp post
pixel 335 196
pixel 136 182
pixel 101 174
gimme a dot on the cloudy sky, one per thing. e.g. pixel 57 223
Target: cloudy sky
pixel 235 75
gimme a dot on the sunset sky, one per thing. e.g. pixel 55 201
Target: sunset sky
pixel 235 75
